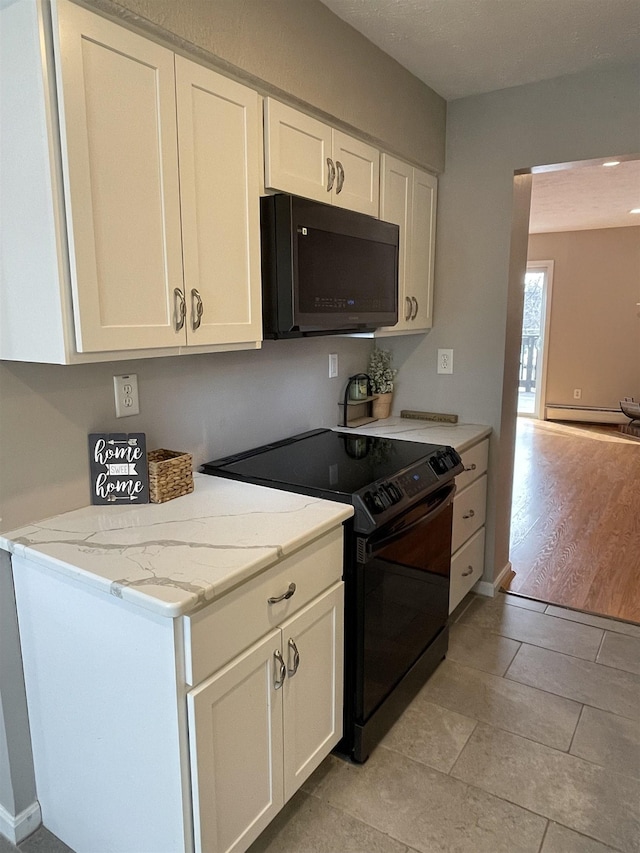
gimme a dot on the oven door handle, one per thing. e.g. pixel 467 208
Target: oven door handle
pixel 443 503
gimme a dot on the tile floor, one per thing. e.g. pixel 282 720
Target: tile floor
pixel 525 740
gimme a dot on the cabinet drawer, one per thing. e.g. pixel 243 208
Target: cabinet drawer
pixel 475 461
pixel 220 631
pixel 469 509
pixel 467 565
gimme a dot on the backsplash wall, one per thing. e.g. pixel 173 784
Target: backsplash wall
pixel 209 405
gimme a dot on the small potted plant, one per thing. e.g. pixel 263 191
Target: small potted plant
pixel 382 375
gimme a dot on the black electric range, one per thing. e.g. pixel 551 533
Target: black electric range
pixel 397 558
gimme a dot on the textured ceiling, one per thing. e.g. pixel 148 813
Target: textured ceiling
pixel 465 47
pixel 586 197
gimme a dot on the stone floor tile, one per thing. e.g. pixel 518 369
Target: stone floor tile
pixel 559 839
pixel 308 825
pixel 620 652
pixel 480 649
pixel 426 809
pixel 503 704
pixel 590 683
pixel 608 740
pixel 430 734
pixel 538 629
pixel 43 841
pixel 6 846
pixel 521 601
pixel 604 622
pixel 580 795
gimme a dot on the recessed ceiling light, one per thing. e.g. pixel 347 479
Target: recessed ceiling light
pixel 635 210
pixel 612 163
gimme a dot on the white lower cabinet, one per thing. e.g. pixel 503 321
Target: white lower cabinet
pixel 469 512
pixel 170 735
pixel 260 726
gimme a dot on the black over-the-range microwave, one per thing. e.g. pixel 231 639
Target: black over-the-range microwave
pixel 325 270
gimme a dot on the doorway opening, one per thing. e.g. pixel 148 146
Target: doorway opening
pixel 536 315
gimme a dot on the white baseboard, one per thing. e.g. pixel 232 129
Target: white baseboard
pixel 17 827
pixel 490 588
pixel 583 414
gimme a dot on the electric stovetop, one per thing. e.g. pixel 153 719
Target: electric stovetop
pixel 323 463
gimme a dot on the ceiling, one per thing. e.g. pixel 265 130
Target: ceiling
pixel 585 197
pixel 465 47
pixel 462 48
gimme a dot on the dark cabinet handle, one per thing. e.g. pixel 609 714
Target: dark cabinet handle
pixel 281 670
pixel 285 595
pixel 196 309
pixel 293 651
pixel 331 174
pixel 470 514
pixel 180 308
pixel 408 306
pixel 471 467
pixel 469 571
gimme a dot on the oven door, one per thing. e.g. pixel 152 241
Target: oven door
pixel 403 574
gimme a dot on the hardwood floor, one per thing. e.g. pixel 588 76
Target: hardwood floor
pixel 575 524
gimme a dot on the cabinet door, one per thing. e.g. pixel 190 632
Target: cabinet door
pixel 395 206
pixel 313 646
pixel 219 153
pixel 117 99
pixel 357 183
pixel 419 285
pixel 296 151
pixel 235 738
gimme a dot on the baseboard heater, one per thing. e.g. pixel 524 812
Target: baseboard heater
pixel 585 414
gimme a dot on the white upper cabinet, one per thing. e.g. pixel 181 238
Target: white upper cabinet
pixel 305 157
pixel 151 197
pixel 219 154
pixel 120 164
pixel 408 198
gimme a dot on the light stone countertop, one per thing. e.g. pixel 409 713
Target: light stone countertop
pixel 460 436
pixel 171 557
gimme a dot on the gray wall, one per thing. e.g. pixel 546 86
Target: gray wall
pixel 478 306
pixel 301 50
pixel 210 404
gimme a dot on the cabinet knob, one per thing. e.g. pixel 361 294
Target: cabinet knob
pixel 280 672
pixel 180 309
pixel 285 595
pixel 292 667
pixel 196 309
pixel 468 571
pixel 340 169
pixel 470 514
pixel 471 467
pixel 331 174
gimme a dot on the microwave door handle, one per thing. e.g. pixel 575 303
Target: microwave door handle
pixel 442 504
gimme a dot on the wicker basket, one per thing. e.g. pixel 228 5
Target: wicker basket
pixel 170 475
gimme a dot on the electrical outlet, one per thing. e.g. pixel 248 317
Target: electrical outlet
pixel 126 393
pixel 333 365
pixel 445 361
pixel 577 393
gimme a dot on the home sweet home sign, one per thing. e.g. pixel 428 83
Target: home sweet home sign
pixel 119 469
